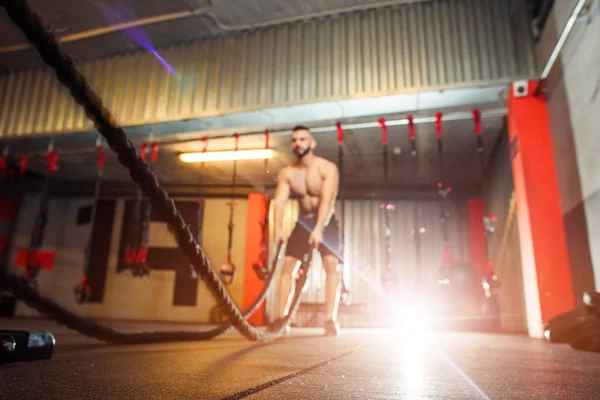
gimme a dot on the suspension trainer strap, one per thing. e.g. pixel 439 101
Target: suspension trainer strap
pixel 4 163
pixel 438 133
pixel 133 231
pixel 384 143
pixel 413 145
pixel 388 273
pixel 145 231
pixel 345 297
pixel 443 190
pixel 33 263
pixel 477 121
pixel 83 290
pixel 5 169
pixel 260 267
pixel 141 266
pixel 228 270
pixel 23 166
pixel 411 135
pixel 141 233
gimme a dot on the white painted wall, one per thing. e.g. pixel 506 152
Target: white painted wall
pixel 581 67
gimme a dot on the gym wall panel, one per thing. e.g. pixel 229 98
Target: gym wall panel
pixel 579 65
pixel 571 108
pixel 125 297
pixel 395 50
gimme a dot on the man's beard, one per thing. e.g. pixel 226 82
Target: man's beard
pixel 301 155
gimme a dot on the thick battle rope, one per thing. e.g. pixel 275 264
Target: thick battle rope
pixel 50 308
pixel 67 73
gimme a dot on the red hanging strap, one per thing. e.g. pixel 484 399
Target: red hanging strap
pixel 477 120
pixel 438 125
pixel 51 161
pixel 2 167
pixel 141 256
pixel 205 140
pixel 154 151
pixel 130 255
pixel 340 133
pixel 411 127
pixel 384 132
pixel 237 140
pixel 23 164
pixel 447 258
pixel 143 151
pixel 267 137
pixel 101 156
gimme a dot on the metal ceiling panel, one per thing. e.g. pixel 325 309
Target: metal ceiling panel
pixel 425 46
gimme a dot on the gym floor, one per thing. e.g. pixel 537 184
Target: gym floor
pixel 360 364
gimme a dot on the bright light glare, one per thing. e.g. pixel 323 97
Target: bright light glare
pixel 412 316
pixel 226 155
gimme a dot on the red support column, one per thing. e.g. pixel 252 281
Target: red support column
pixel 544 254
pixel 477 245
pixel 257 207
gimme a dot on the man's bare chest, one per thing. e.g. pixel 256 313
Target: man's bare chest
pixel 306 182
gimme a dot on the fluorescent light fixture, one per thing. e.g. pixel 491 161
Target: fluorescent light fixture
pixel 226 155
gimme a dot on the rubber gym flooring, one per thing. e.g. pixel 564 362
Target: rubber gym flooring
pixel 359 364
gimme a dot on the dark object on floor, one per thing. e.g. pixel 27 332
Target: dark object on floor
pixel 18 346
pixel 8 305
pixel 580 328
pixel 587 336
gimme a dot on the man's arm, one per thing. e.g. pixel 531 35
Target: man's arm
pixel 282 193
pixel 328 195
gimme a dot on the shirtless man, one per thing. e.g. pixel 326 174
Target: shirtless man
pixel 313 181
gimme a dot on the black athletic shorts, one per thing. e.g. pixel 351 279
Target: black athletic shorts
pixel 297 243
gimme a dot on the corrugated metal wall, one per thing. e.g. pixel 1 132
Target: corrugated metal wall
pixel 364 251
pixel 411 48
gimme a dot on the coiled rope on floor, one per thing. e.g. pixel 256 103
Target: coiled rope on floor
pixel 68 74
